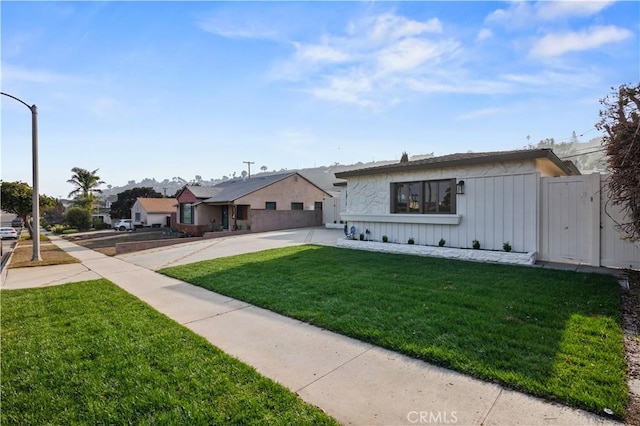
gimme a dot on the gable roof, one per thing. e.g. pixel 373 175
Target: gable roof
pixel 157 205
pixel 464 159
pixel 199 191
pixel 231 190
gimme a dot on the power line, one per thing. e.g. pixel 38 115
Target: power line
pixel 584 153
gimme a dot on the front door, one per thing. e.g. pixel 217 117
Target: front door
pixel 225 217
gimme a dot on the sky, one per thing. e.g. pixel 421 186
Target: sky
pixel 178 89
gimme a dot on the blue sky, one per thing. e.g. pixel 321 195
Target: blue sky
pixel 166 89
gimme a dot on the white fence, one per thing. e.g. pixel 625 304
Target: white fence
pixel 579 224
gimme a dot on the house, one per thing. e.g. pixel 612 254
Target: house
pixel 154 212
pixel 260 203
pixel 492 197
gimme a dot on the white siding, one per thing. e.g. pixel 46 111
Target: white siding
pixel 493 210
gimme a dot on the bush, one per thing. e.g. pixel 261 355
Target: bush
pixel 58 229
pixel 101 225
pixel 385 239
pixel 361 237
pixel 442 242
pixel 476 244
pixel 410 241
pixel 79 218
pixel 70 231
pixel 506 246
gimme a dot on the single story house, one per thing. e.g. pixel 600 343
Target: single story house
pixel 260 203
pixel 492 197
pixel 154 212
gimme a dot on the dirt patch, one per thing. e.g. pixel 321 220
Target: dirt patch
pixel 631 325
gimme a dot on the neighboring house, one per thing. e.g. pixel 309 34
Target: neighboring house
pixel 261 203
pixel 154 212
pixel 492 197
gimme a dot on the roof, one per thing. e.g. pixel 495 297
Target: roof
pixel 201 191
pixel 463 159
pixel 157 205
pixel 231 190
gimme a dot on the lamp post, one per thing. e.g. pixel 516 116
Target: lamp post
pixel 36 199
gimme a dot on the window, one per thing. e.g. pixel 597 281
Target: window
pixel 137 217
pixel 186 213
pixel 317 205
pixel 426 197
pixel 241 212
pixel 270 205
pixel 297 206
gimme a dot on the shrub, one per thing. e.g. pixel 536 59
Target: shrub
pixel 506 246
pixel 70 231
pixel 410 241
pixel 385 239
pixel 79 218
pixel 442 242
pixel 361 237
pixel 58 229
pixel 476 244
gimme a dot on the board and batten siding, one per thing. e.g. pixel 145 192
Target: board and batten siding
pixel 493 210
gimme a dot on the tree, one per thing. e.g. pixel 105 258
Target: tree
pixel 17 198
pixel 404 158
pixel 620 119
pixel 79 218
pixel 263 168
pixel 121 208
pixel 86 182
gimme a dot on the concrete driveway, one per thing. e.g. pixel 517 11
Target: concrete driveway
pixel 182 254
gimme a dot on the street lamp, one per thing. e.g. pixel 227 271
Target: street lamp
pixel 34 152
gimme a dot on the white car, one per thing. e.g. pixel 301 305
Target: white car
pixel 123 225
pixel 8 233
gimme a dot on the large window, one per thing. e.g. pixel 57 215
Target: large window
pixel 186 213
pixel 426 197
pixel 241 212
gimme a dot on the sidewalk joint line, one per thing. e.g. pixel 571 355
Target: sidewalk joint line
pixel 492 406
pixel 338 367
pixel 216 315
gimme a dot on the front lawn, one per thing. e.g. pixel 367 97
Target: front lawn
pixel 90 353
pixel 49 253
pixel 550 333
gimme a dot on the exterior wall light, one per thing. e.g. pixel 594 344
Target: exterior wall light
pixel 460 187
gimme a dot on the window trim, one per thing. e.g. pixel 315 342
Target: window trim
pixel 191 208
pixel 420 197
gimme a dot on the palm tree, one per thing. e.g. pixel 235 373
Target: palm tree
pixel 86 183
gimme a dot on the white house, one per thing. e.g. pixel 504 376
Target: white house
pixel 153 211
pixel 492 197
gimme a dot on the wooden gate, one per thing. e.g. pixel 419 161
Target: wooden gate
pixel 578 224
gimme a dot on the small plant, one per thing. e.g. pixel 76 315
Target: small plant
pixel 476 244
pixel 506 246
pixel 385 239
pixel 442 242
pixel 361 237
pixel 410 241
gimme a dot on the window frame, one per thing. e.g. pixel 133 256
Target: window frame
pixel 183 209
pixel 410 197
pixel 297 206
pixel 270 205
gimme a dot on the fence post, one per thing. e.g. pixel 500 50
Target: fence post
pixel 593 188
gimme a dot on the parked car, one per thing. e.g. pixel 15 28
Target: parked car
pixel 16 223
pixel 123 225
pixel 8 233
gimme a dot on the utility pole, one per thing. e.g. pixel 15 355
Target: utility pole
pixel 249 163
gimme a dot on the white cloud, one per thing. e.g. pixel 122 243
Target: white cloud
pixel 410 54
pixel 484 34
pixel 549 10
pixel 224 27
pixel 558 44
pixel 392 27
pixel 321 53
pixel 524 13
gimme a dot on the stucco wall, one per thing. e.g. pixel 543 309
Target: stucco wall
pixel 284 192
pixel 500 204
pixel 271 220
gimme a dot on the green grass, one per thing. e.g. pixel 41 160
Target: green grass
pixel 550 333
pixel 89 353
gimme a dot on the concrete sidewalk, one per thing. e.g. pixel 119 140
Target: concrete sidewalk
pixel 354 382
